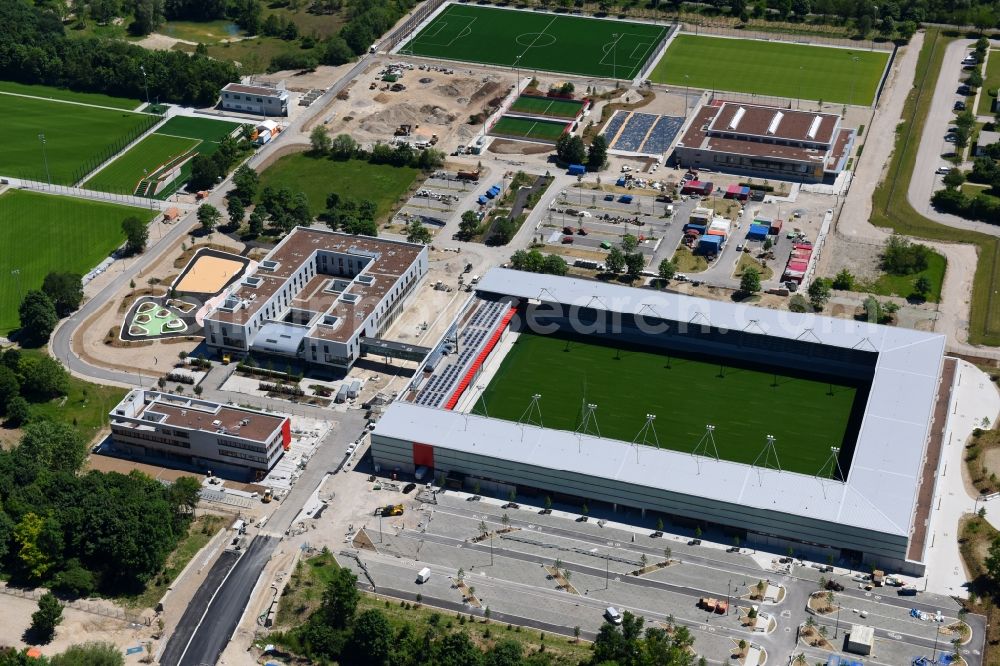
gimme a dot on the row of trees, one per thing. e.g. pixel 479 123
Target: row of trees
pixel 534 261
pixel 338 631
pixel 35 49
pixel 570 149
pixel 344 147
pixel 625 258
pixel 86 654
pixel 26 379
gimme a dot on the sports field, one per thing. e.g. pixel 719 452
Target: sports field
pixel 146 157
pixel 685 395
pixel 49 92
pixel 77 137
pixel 174 139
pixel 546 106
pixel 538 41
pixel 41 233
pixel 542 130
pixel 788 70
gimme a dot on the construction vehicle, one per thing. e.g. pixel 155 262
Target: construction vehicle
pixel 390 510
pixel 226 359
pixel 403 130
pixel 268 496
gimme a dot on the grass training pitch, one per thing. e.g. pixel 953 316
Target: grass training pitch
pixel 772 68
pixel 77 137
pixel 41 233
pixel 546 106
pixel 351 179
pixel 64 94
pixel 546 42
pixel 685 394
pixel 146 157
pixel 544 130
pixel 175 138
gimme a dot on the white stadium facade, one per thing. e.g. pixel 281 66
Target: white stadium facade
pixel 878 515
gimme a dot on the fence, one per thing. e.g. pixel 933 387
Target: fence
pixel 780 33
pixel 410 25
pixel 116 147
pixel 92 607
pixel 94 195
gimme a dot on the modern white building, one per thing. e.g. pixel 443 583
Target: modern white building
pixel 316 296
pixel 198 433
pixel 258 100
pixel 879 513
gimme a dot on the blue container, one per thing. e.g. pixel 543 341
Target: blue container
pixel 576 170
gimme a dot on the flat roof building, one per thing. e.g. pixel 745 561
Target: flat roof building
pixel 316 295
pixel 860 639
pixel 879 512
pixel 198 433
pixel 766 141
pixel 256 99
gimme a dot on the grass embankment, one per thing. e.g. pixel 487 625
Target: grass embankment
pixel 352 179
pixel 991 81
pixel 305 588
pixel 746 261
pixel 201 531
pixel 890 208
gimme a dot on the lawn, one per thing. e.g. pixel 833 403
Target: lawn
pixel 746 261
pixel 991 81
pixel 41 233
pixel 77 138
pixel 546 106
pixel 543 130
pixel 538 41
pixel 890 208
pixel 200 532
pixel 902 285
pixel 85 405
pixel 48 92
pixel 205 129
pixel 772 68
pixel 689 262
pixel 145 158
pixel 352 179
pixel 686 393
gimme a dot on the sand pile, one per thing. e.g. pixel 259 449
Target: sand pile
pixel 387 120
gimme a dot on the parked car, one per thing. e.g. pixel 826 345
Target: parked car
pixel 694 542
pixel 613 615
pixel 733 549
pixel 834 586
pixel 963 90
pixel 581 232
pixel 510 505
pixel 959 106
pixel 567 240
pixel 656 535
pixel 950 138
pixel 943 170
pixel 408 488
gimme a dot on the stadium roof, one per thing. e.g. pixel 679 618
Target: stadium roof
pixel 881 490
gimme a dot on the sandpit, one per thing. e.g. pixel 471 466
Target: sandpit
pixel 208 274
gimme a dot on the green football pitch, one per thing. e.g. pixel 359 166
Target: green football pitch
pixel 538 41
pixel 41 233
pixel 545 130
pixel 806 416
pixel 77 137
pixel 782 69
pixel 546 106
pixel 146 157
pixel 173 139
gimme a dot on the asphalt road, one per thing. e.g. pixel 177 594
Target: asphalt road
pixel 196 608
pixel 218 622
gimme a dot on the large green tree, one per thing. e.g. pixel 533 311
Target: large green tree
pixel 38 317
pixel 65 291
pixel 45 620
pixel 136 234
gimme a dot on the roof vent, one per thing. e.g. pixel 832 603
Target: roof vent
pixel 814 127
pixel 773 127
pixel 737 117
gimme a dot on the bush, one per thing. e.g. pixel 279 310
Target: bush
pixel 902 257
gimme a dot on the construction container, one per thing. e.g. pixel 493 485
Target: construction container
pixel 757 232
pixel 576 170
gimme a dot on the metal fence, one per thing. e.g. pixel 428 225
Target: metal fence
pixel 709 26
pixel 91 607
pixel 128 199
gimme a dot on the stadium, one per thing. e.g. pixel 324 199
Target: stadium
pixel 789 431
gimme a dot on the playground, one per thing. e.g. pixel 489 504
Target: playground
pixel 150 319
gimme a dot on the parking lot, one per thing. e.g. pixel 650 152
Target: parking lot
pixel 434 202
pixel 510 571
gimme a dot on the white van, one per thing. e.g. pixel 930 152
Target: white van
pixel 423 575
pixel 670 210
pixel 612 615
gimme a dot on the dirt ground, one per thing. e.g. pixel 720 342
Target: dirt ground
pixel 434 103
pixel 77 627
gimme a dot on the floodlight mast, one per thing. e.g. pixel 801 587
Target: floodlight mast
pixel 644 432
pixel 703 444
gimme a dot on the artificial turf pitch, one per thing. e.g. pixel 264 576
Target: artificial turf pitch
pixel 545 130
pixel 145 158
pixel 799 71
pixel 685 395
pixel 538 41
pixel 546 106
pixel 41 233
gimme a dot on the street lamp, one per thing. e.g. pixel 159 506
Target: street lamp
pixel 614 57
pixel 145 83
pixel 517 66
pixel 799 96
pixel 854 62
pixel 45 158
pixel 687 85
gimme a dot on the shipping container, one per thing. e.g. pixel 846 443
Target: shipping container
pixel 700 228
pixel 576 170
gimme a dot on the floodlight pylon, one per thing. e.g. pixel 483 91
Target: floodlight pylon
pixel 767 453
pixel 706 444
pixel 527 418
pixel 589 416
pixel 644 433
pixel 831 466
